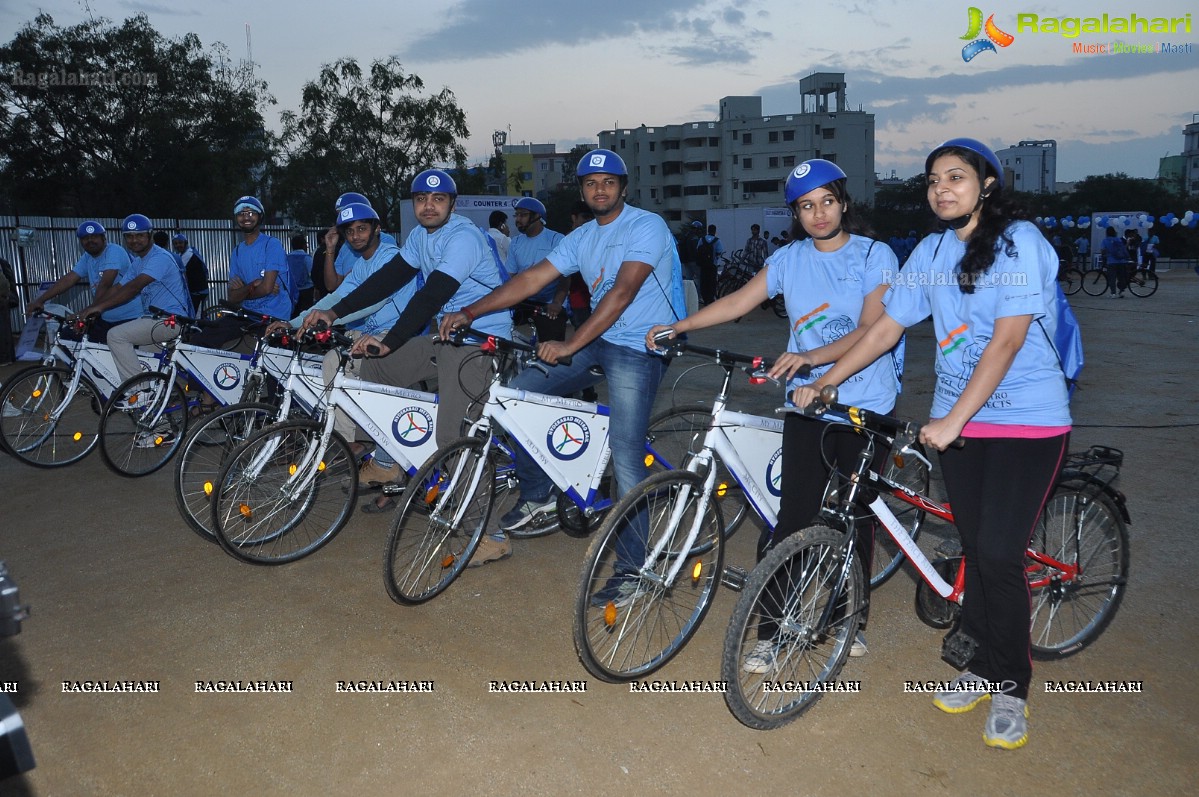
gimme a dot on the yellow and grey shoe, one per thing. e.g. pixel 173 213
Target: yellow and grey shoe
pixel 962 693
pixel 1007 724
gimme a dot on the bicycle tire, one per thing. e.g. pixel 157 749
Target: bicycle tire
pixel 138 441
pixel 427 550
pixel 1095 282
pixel 789 590
pixel 1071 280
pixel 1078 526
pixel 268 510
pixel 622 642
pixel 31 435
pixel 1143 283
pixel 676 434
pixel 203 455
pixel 910 472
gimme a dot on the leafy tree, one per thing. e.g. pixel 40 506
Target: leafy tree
pixel 366 131
pixel 103 119
pixel 900 208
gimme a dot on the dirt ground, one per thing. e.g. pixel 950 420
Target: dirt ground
pixel 121 590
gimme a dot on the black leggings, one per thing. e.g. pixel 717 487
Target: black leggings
pixel 998 488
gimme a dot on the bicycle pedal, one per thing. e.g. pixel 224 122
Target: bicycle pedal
pixel 949 548
pixel 734 577
pixel 392 489
pixel 958 649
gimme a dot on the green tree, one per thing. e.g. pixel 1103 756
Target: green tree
pixel 900 208
pixel 103 119
pixel 369 132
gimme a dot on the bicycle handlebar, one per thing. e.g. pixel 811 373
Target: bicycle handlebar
pixel 494 343
pixel 865 418
pixel 728 359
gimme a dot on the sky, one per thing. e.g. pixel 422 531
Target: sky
pixel 560 71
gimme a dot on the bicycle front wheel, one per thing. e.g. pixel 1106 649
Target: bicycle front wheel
pixel 791 629
pixel 1081 529
pixel 1143 283
pixel 1071 281
pixel 143 424
pixel 631 614
pixel 203 455
pixel 45 425
pixel 283 494
pixel 1095 282
pixel 911 472
pixel 445 511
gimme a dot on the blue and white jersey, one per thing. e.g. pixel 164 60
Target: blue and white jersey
pixel 596 252
pixel 251 262
pixel 92 268
pixel 167 291
pixel 525 252
pixel 385 317
pixel 346 256
pixel 824 292
pixel 459 250
pixel 1033 391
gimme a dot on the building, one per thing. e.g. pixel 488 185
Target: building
pixel 742 159
pixel 1030 166
pixel 1172 173
pixel 1190 151
pixel 529 170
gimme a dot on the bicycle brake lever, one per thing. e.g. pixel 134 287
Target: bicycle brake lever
pixel 908 450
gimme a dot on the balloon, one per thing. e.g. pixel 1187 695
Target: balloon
pixel 1101 221
pixel 1084 222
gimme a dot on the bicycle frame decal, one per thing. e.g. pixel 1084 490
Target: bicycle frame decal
pixel 365 401
pixel 915 555
pixel 412 426
pixel 227 376
pixel 199 362
pixel 568 438
pixel 774 476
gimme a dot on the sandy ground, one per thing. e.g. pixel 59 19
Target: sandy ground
pixel 121 590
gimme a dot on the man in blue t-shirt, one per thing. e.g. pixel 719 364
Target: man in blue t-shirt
pixel 629 260
pixel 299 264
pixel 101 265
pixel 339 259
pixel 195 271
pixel 532 244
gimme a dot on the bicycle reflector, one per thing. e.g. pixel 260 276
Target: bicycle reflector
pixel 323 336
pixel 756 380
pixel 169 322
pixel 489 345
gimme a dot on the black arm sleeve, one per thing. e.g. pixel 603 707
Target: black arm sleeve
pixel 438 290
pixel 394 275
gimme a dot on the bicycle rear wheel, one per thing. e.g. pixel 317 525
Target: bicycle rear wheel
pixel 1071 281
pixel 778 655
pixel 628 620
pixel 1143 283
pixel 1079 527
pixel 203 455
pixel 143 424
pixel 1094 282
pixel 282 496
pixel 908 471
pixel 42 423
pixel 445 511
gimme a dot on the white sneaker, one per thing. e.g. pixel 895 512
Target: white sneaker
pixel 761 659
pixel 858 649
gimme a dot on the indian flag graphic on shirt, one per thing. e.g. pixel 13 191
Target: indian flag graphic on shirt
pixel 954 340
pixel 809 320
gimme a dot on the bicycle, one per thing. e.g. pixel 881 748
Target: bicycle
pixel 1141 281
pixel 671 588
pixel 803 600
pixel 50 413
pixel 1069 277
pixel 448 502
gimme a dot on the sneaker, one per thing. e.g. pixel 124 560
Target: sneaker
pixel 1007 724
pixel 525 511
pixel 964 693
pixel 620 591
pixel 858 649
pixel 11 410
pixel 375 475
pixel 761 659
pixel 490 550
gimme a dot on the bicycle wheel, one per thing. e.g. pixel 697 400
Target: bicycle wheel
pixel 778 654
pixel 282 495
pixel 1095 282
pixel 143 424
pixel 1071 281
pixel 203 454
pixel 42 423
pixel 910 472
pixel 443 516
pixel 677 433
pixel 629 620
pixel 1078 528
pixel 1143 283
pixel 729 284
pixel 780 306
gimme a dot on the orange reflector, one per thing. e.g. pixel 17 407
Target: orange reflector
pixel 649 460
pixel 610 613
pixel 321 466
pixel 431 495
pixel 721 489
pixel 207 488
pixel 695 571
pixel 158 441
pixel 37 394
pixel 448 561
pixel 291 470
pixel 898 461
pixel 245 510
pixel 77 436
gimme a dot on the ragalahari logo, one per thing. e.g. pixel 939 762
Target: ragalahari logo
pixel 994 35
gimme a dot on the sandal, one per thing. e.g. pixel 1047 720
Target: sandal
pixel 375 508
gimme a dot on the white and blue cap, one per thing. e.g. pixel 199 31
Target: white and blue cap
pixel 348 197
pixel 136 222
pixel 247 203
pixel 180 237
pixel 355 211
pixel 601 161
pixel 434 181
pixel 530 204
pixel 89 228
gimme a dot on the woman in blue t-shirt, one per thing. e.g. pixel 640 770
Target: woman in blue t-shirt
pixel 989 282
pixel 832 282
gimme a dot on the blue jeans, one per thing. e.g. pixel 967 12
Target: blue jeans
pixel 632 378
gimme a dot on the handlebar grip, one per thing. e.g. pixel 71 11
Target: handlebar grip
pixel 373 350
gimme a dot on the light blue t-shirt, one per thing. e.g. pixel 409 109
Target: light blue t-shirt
pixel 596 252
pixel 251 262
pixel 458 249
pixel 385 317
pixel 346 256
pixel 1022 281
pixel 824 292
pixel 167 291
pixel 525 252
pixel 92 269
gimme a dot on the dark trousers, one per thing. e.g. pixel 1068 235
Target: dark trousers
pixel 998 488
pixel 1117 277
pixel 707 282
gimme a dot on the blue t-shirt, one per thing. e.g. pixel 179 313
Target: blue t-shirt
pixel 1033 391
pixel 458 249
pixel 525 252
pixel 251 262
pixel 92 269
pixel 824 292
pixel 346 256
pixel 596 252
pixel 384 318
pixel 167 291
pixel 299 266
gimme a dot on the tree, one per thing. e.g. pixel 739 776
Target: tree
pixel 103 119
pixel 899 209
pixel 366 132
